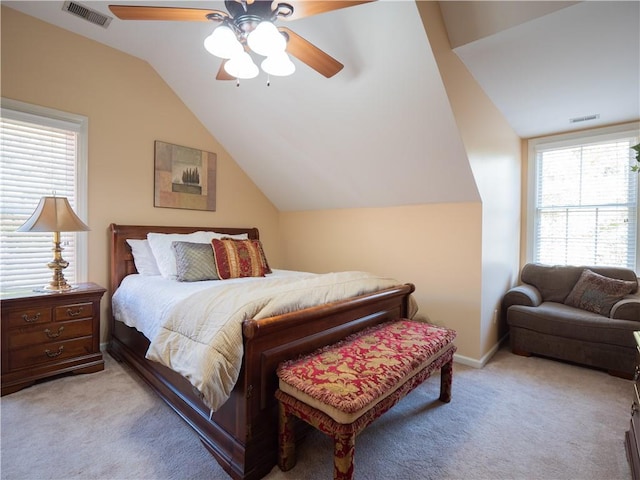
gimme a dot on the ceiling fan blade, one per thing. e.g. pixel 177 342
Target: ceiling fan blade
pixel 307 8
pixel 139 12
pixel 311 55
pixel 222 73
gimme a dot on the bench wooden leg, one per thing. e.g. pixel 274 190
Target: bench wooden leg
pixel 446 379
pixel 343 453
pixel 286 439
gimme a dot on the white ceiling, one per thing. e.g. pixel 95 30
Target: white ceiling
pixel 580 60
pixel 372 135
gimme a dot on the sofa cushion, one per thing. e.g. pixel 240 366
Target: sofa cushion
pixel 346 379
pixel 597 293
pixel 555 282
pixel 561 320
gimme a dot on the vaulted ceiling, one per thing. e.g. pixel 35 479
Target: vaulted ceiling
pixel 381 132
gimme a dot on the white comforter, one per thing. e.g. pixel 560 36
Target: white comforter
pixel 201 335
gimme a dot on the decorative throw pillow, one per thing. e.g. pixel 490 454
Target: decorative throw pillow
pixel 143 257
pixel 194 262
pixel 596 293
pixel 238 258
pixel 263 257
pixel 160 244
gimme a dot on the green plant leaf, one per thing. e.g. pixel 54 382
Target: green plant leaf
pixel 636 168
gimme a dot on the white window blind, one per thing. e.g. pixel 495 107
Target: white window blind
pixel 586 202
pixel 40 155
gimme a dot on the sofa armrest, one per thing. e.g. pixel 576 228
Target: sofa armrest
pixel 627 309
pixel 524 294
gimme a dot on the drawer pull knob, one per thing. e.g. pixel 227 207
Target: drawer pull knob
pixel 29 319
pixel 51 334
pixel 74 313
pixel 51 354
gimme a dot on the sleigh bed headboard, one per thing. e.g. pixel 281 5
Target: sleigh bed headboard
pixel 121 260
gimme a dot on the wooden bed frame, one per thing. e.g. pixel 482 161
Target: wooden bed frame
pixel 242 434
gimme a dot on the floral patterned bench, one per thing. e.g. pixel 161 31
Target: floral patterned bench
pixel 342 388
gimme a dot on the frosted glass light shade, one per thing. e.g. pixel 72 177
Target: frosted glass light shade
pixel 241 66
pixel 223 43
pixel 279 65
pixel 266 40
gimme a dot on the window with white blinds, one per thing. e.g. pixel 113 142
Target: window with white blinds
pixel 42 152
pixel 585 200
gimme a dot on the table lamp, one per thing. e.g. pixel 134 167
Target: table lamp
pixel 54 214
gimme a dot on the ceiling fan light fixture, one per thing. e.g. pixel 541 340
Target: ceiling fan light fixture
pixel 278 64
pixel 266 40
pixel 241 66
pixel 223 43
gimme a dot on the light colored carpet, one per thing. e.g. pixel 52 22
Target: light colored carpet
pixel 517 418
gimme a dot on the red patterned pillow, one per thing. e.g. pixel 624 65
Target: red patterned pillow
pixel 238 258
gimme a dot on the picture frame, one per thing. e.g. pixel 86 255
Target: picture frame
pixel 184 177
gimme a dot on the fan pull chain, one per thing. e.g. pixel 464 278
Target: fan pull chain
pixel 237 82
pixel 268 80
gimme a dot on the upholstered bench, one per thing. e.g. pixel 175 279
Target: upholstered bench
pixel 342 388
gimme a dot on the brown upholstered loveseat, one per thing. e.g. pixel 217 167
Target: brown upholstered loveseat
pixel 585 315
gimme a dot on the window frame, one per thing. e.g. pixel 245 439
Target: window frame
pixel 565 140
pixel 18 110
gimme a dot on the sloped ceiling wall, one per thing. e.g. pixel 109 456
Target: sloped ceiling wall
pixel 545 63
pixel 380 133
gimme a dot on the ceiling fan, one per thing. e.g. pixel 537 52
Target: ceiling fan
pixel 244 23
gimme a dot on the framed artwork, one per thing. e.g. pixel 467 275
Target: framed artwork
pixel 184 177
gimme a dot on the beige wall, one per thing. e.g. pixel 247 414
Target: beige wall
pixel 435 247
pixel 128 106
pixel 494 152
pixel 459 256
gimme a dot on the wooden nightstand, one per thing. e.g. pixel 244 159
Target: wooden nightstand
pixel 46 334
pixel 632 435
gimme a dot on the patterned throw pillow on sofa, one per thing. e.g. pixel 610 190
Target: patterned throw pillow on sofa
pixel 596 293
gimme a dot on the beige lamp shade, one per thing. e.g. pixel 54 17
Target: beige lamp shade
pixel 53 214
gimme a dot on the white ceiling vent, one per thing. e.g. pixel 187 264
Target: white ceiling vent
pixel 88 14
pixel 586 118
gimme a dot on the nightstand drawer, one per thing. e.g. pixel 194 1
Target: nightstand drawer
pixel 50 352
pixel 44 334
pixel 30 316
pixel 70 312
pixel 59 331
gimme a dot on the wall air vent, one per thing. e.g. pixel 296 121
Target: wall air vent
pixel 88 14
pixel 586 118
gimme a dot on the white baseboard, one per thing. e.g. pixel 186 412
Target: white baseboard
pixel 472 362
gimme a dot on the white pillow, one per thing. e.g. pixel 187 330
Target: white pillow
pixel 143 257
pixel 160 244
